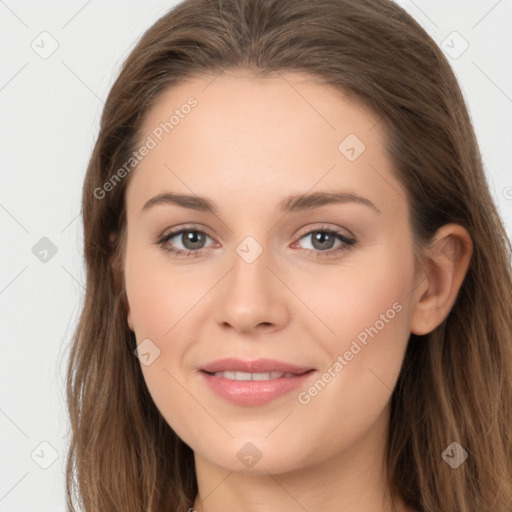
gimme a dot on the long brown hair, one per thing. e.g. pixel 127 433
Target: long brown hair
pixel 456 382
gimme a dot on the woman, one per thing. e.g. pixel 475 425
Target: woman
pixel 298 286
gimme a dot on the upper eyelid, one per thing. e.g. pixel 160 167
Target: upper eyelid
pixel 324 227
pixel 185 227
pixel 308 231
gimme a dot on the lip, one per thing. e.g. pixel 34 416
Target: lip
pixel 257 365
pixel 254 392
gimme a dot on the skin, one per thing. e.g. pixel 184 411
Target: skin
pixel 248 144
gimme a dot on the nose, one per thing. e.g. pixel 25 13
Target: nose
pixel 253 299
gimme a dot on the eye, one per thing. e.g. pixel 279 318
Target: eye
pixel 191 240
pixel 324 239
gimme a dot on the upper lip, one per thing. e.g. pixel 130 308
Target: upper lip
pixel 254 366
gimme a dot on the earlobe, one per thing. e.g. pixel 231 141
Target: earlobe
pixel 129 319
pixel 446 263
pixel 116 265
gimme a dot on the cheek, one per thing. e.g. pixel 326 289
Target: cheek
pixel 365 299
pixel 367 311
pixel 158 298
pixel 370 314
pixel 365 357
pixel 158 304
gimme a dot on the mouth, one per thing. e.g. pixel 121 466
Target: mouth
pixel 256 382
pixel 254 367
pixel 231 375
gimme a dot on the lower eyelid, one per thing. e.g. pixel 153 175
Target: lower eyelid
pixel 347 242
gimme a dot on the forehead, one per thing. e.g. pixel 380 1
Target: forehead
pixel 241 98
pixel 241 133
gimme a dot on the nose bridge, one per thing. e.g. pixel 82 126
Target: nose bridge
pixel 252 295
pixel 250 272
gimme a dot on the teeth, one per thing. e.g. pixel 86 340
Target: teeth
pixel 252 376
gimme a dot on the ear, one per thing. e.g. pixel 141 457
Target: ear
pixel 129 319
pixel 116 266
pixel 446 263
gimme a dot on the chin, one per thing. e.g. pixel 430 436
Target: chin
pixel 255 455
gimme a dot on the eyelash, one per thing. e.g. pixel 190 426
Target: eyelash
pixel 348 242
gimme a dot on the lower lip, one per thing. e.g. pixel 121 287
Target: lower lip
pixel 254 392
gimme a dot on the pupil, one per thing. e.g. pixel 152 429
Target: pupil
pixel 192 239
pixel 322 240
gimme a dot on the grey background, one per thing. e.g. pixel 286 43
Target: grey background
pixel 50 107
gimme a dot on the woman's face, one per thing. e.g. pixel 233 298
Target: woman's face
pixel 274 338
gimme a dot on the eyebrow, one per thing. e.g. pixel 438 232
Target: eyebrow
pixel 294 203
